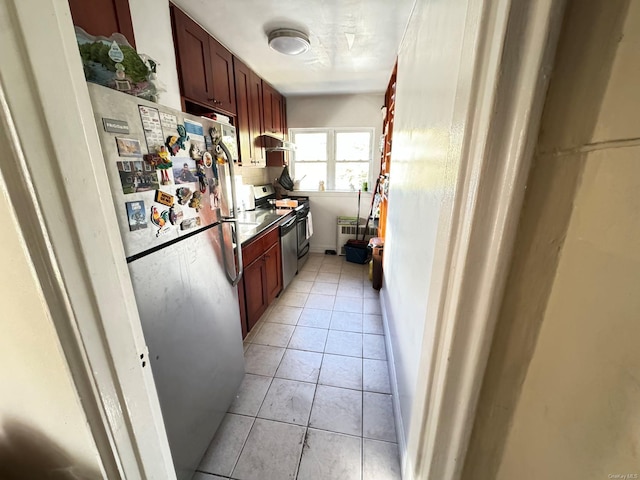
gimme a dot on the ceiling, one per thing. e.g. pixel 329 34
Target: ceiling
pixel 354 43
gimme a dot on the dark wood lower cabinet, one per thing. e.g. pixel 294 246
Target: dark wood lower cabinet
pixel 273 274
pixel 262 280
pixel 255 295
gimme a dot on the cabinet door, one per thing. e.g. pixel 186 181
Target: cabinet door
pixel 249 115
pixel 283 123
pixel 193 57
pixel 224 91
pixel 103 17
pixel 254 291
pixel 273 265
pixel 242 76
pixel 267 106
pixel 257 121
pixel 276 112
pixel 272 110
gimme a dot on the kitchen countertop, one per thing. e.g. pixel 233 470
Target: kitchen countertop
pixel 253 223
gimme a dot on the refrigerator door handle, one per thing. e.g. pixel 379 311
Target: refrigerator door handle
pixel 240 266
pixel 240 270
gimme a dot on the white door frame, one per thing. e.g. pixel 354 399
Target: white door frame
pixel 53 172
pixel 55 178
pixel 518 40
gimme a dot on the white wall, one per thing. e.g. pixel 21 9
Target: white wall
pixel 152 29
pixel 435 67
pixel 332 111
pixel 40 414
pixel 561 397
pixel 325 208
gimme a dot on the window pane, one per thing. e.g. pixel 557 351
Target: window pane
pixel 350 175
pixel 313 173
pixel 353 146
pixel 310 146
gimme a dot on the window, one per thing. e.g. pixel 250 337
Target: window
pixel 341 158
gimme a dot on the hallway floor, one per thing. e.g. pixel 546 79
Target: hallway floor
pixel 315 403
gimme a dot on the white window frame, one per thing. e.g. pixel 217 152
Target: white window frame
pixel 331 151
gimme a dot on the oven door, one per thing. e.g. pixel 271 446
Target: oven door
pixel 303 241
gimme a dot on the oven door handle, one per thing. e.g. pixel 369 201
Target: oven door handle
pixel 305 250
pixel 289 223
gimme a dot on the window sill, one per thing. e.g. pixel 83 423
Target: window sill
pixel 328 193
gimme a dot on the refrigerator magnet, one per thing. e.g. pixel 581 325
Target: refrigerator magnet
pixel 136 215
pixel 128 147
pixel 160 220
pixel 196 201
pixel 184 194
pixel 164 165
pixel 207 159
pixel 173 145
pixel 164 198
pixel 190 223
pixel 214 195
pixel 175 215
pixel 202 177
pixel 195 151
pixel 137 176
pixel 185 171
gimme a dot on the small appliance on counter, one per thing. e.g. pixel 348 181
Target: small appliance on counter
pixel 246 198
pixel 169 173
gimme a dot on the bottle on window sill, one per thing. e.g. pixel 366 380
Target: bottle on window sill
pixel 321 186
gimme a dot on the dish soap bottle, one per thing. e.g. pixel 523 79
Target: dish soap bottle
pixel 321 186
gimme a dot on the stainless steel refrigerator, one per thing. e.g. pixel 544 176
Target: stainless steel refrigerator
pixel 168 175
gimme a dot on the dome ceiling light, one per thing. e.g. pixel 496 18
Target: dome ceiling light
pixel 288 41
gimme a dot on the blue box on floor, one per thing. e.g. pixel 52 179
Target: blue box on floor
pixel 356 253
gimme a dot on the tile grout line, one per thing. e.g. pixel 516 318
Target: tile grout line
pixel 306 430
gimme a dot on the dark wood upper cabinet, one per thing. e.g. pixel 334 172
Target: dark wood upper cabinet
pixel 103 17
pixel 257 114
pixel 249 114
pixel 267 115
pixel 272 110
pixel 285 129
pixel 224 90
pixel 276 111
pixel 205 68
pixel 194 58
pixel 278 106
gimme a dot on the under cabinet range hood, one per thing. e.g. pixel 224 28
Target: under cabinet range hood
pixel 271 143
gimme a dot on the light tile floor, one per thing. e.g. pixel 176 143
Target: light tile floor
pixel 315 402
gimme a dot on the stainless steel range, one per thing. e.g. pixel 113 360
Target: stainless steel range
pixel 302 212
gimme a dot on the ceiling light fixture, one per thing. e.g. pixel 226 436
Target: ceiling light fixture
pixel 288 41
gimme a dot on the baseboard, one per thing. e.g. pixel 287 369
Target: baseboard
pixel 407 472
pixel 321 248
